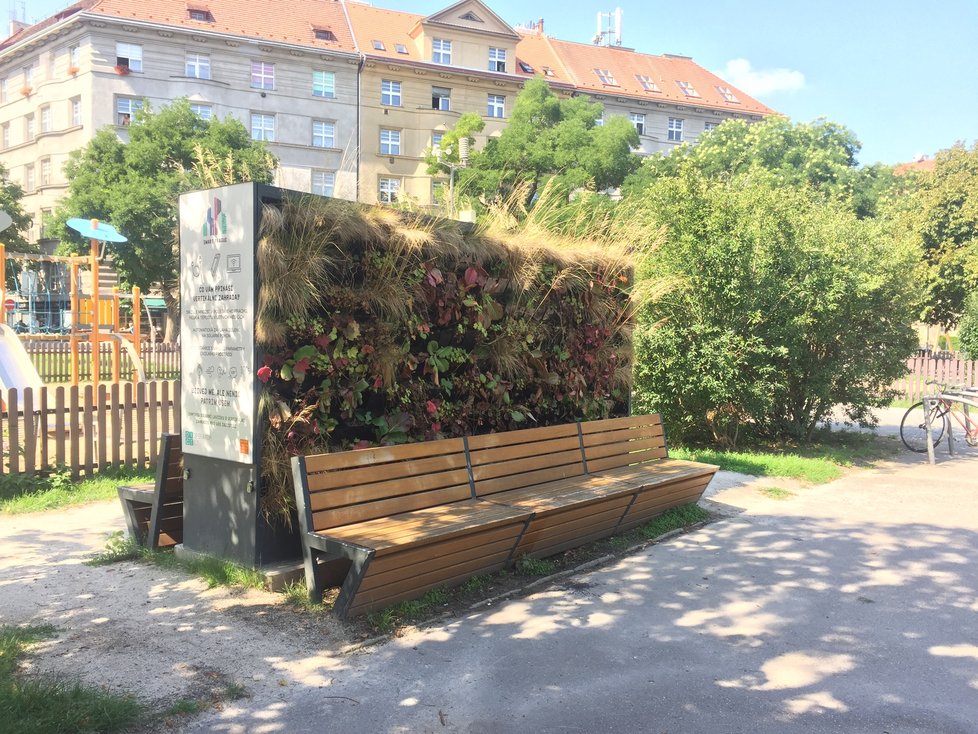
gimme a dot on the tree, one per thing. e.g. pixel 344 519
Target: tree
pixel 784 307
pixel 968 332
pixel 10 195
pixel 549 138
pixel 820 155
pixel 135 186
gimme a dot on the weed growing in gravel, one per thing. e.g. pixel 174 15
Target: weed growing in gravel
pixel 526 566
pixel 47 705
pixel 118 547
pixel 297 594
pixel 776 493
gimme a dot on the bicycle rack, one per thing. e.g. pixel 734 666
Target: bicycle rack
pixel 967 396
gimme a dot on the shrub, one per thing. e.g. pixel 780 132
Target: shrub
pixel 968 332
pixel 786 306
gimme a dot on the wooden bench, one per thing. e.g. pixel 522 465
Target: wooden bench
pixel 407 518
pixel 404 518
pixel 154 512
pixel 584 481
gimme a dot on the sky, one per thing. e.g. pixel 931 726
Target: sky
pixel 899 74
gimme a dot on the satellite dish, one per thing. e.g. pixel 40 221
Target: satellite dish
pixel 93 229
pixel 5 220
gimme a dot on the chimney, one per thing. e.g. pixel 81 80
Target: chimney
pixel 16 26
pixel 540 26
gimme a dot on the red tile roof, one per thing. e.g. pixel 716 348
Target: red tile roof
pixel 285 21
pixel 922 165
pixel 46 23
pixel 390 27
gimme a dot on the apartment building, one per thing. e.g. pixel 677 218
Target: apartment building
pixel 349 97
pixel 288 70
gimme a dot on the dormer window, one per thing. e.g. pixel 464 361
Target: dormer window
pixel 441 51
pixel 497 60
pixel 547 71
pixel 647 84
pixel 606 77
pixel 378 45
pixel 400 48
pixel 201 14
pixel 728 95
pixel 525 67
pixel 324 34
pixel 688 89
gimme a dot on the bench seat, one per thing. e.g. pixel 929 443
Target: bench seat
pixel 154 511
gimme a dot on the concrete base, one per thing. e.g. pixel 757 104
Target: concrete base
pixel 277 575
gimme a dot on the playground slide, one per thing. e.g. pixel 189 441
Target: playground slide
pixel 16 368
pixel 133 355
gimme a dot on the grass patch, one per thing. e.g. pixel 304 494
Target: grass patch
pixel 21 493
pixel 118 548
pixel 296 594
pixel 776 493
pixel 807 469
pixel 526 566
pixel 46 705
pixel 672 519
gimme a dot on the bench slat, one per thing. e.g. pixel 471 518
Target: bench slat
pixel 523 435
pixel 322 480
pixel 490 487
pixel 382 454
pixel 391 490
pixel 569 459
pixel 623 436
pixel 524 449
pixel 613 424
pixel 365 512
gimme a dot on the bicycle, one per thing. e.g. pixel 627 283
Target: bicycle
pixel 955 402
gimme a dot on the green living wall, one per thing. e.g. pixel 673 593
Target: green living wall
pixel 382 327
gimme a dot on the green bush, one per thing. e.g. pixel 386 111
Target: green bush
pixel 785 306
pixel 968 331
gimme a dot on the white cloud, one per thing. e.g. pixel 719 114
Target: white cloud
pixel 761 82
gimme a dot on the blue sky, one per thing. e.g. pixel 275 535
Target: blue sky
pixel 899 74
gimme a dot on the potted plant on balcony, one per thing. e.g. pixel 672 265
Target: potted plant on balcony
pixel 72 70
pixel 122 69
pixel 26 90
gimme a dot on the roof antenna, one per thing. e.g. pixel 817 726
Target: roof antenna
pixel 609 29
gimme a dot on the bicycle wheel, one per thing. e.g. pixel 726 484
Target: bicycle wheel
pixel 913 427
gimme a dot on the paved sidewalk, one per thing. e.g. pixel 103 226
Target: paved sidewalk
pixel 850 607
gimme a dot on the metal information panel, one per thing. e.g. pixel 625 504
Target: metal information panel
pixel 217 322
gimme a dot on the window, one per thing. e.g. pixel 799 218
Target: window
pixel 198 66
pixel 5 135
pixel 675 130
pixel 29 131
pixel 125 109
pixel 52 60
pixel 436 141
pixel 29 183
pixel 323 84
pixel 324 34
pixel 647 84
pixel 263 127
pixel 710 126
pixel 204 16
pixel 441 99
pixel 45 218
pixel 129 55
pixel 29 75
pixel 74 57
pixel 45 165
pixel 638 120
pixel 262 75
pixel 390 142
pixel 525 67
pixel 688 89
pixel 497 59
pixel 3 90
pixel 599 121
pixel 390 93
pixel 606 77
pixel 46 119
pixel 441 51
pixel 496 106
pixel 547 71
pixel 75 111
pixel 203 111
pixel 400 48
pixel 378 45
pixel 728 95
pixel 323 134
pixel 323 182
pixel 388 190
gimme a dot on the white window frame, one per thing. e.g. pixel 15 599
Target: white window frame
pixel 44 175
pixel 197 66
pixel 74 56
pixel 323 134
pixel 710 126
pixel 323 182
pixel 203 111
pixel 606 77
pixel 727 94
pixel 436 138
pixel 30 128
pixel 262 74
pixel 262 127
pixel 45 113
pixel 687 88
pixel 5 136
pixel 126 106
pixel 675 129
pixel 496 106
pixel 323 84
pixel 390 141
pixel 30 183
pixel 648 83
pixel 388 190
pixel 638 120
pixel 76 118
pixel 497 59
pixel 441 51
pixel 129 55
pixel 3 90
pixel 440 101
pixel 390 93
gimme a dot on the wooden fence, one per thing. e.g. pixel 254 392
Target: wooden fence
pixel 84 430
pixel 52 359
pixel 922 369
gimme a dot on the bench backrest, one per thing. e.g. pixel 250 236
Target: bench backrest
pixel 617 442
pixel 355 486
pixel 516 459
pixel 166 518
